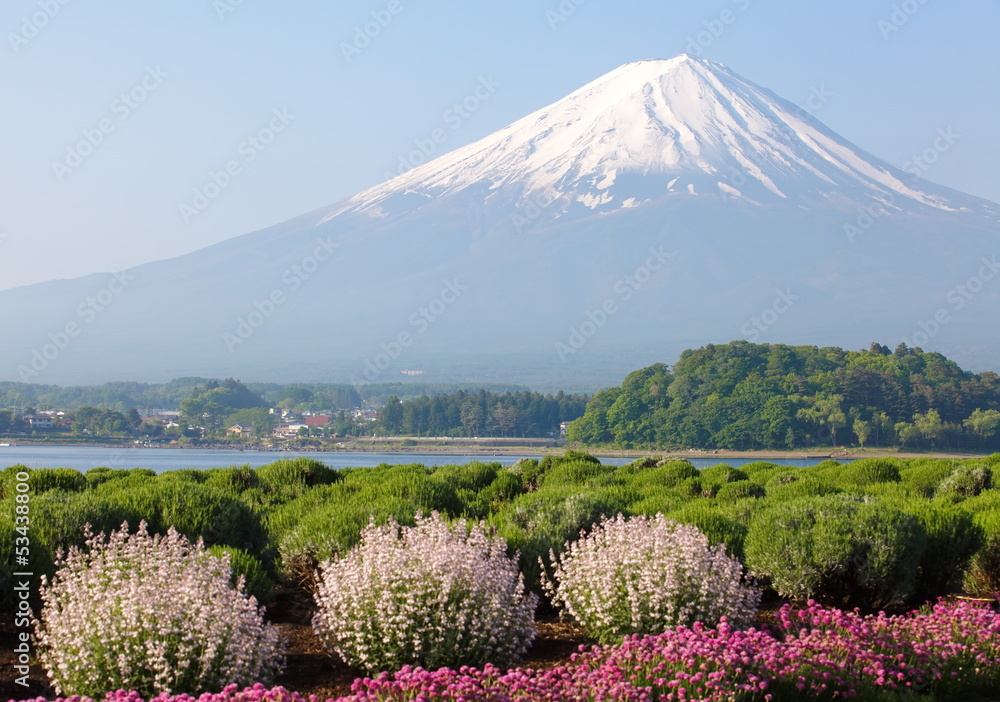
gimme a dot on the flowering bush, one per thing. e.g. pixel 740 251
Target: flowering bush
pixel 644 574
pixel 150 614
pixel 434 594
pixel 950 651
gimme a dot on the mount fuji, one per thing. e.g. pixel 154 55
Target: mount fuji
pixel 665 205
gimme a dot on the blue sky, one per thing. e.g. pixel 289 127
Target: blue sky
pixel 94 181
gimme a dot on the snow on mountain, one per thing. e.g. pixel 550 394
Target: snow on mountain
pixel 681 126
pixel 665 205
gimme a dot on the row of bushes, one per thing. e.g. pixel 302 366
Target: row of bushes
pixel 867 533
pixel 446 594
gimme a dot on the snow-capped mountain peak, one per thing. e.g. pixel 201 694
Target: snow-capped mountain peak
pixel 683 127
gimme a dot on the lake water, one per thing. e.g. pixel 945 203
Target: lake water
pixel 84 458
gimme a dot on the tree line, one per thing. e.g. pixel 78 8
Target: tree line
pixel 748 396
pixel 465 413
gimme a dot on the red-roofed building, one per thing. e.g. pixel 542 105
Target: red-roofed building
pixel 319 420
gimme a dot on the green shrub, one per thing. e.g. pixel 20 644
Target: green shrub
pixel 330 531
pixel 782 476
pixel 472 476
pixel 719 528
pixel 504 488
pixel 644 463
pixel 739 490
pixel 983 502
pixel 836 549
pixel 925 476
pixel 571 455
pixel 804 487
pixel 692 488
pixel 578 474
pixel 327 521
pixel 720 474
pixel 966 481
pixel 539 522
pixel 196 511
pixel 42 480
pixel 868 471
pixel 296 475
pixel 183 475
pixel 983 575
pixel 234 480
pixel 652 503
pixel 527 470
pixel 58 519
pixel 257 582
pixel 67 479
pixel 100 475
pixel 953 538
pixel 413 483
pixel 760 468
pixel 667 475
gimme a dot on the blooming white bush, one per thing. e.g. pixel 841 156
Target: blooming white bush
pixel 150 614
pixel 436 594
pixel 646 574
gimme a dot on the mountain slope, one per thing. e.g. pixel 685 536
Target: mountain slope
pixel 662 206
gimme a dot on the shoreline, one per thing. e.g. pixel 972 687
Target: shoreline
pixel 509 447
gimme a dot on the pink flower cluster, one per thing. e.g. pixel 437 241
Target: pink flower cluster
pixel 951 650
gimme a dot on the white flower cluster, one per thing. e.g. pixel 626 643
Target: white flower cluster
pixel 434 595
pixel 151 614
pixel 644 575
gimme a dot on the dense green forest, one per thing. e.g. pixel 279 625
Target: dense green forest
pixel 464 413
pixel 298 396
pixel 756 396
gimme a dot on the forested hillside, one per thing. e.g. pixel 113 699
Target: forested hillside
pixel 465 413
pixel 753 396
